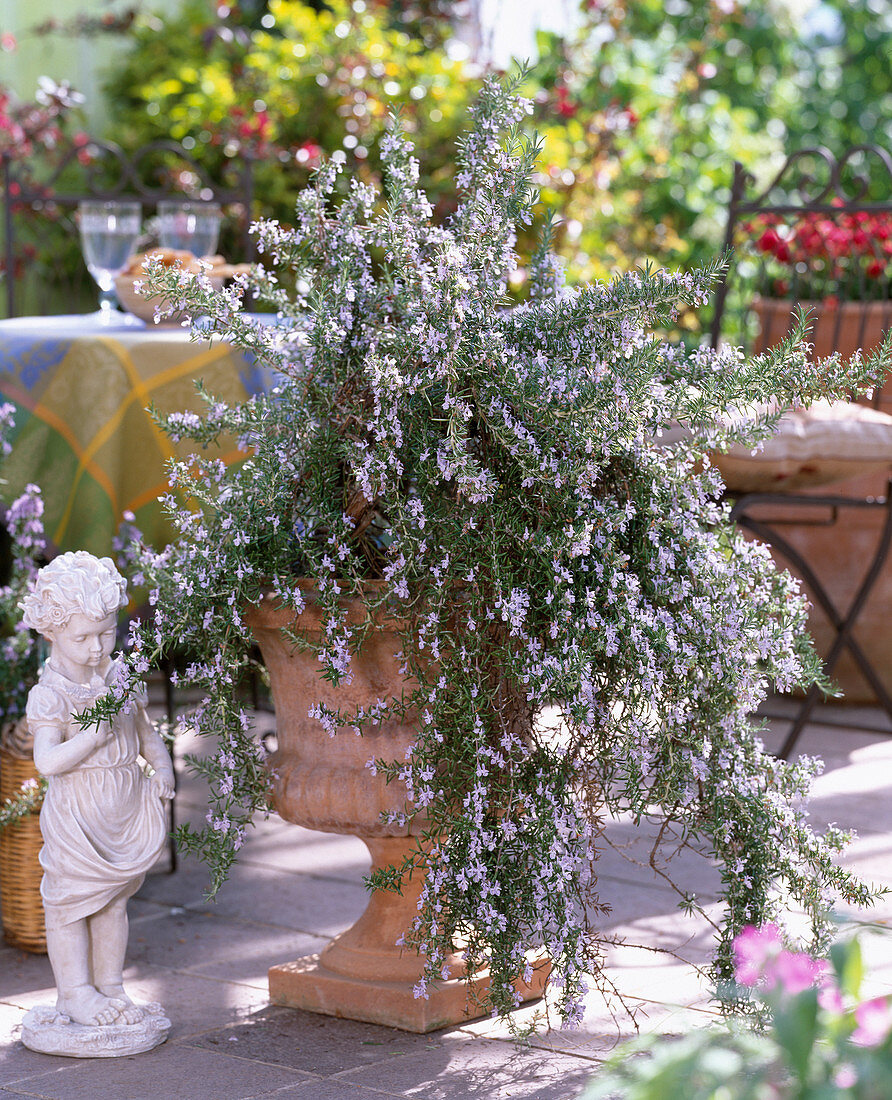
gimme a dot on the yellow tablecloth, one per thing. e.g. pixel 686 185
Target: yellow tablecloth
pixel 82 430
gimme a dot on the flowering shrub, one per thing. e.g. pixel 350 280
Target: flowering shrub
pixel 26 127
pixel 645 109
pixel 497 472
pixel 847 255
pixel 19 654
pixel 32 135
pixel 21 805
pixel 20 651
pixel 823 1038
pixel 297 84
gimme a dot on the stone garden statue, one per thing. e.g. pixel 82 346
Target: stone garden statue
pixel 104 821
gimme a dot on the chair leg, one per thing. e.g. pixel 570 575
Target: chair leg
pixel 843 625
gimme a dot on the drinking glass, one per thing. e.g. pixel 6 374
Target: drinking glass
pixel 189 226
pixel 109 231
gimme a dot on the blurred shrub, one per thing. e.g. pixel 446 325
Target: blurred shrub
pixel 648 105
pixel 643 109
pixel 290 84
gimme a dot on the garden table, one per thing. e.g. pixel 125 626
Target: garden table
pixel 83 432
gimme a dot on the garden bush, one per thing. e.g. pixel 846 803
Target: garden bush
pixel 290 86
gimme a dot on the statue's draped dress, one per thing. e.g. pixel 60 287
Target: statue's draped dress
pixel 103 822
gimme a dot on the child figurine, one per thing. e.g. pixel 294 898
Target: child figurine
pixel 103 820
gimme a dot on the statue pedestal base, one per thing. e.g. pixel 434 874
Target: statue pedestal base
pixel 49 1031
pixel 308 984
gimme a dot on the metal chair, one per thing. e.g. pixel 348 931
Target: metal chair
pixel 814 206
pixel 36 195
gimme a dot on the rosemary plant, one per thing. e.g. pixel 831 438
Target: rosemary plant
pixel 503 475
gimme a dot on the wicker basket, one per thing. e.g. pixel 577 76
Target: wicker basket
pixel 20 872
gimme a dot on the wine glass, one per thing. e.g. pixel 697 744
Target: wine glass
pixel 189 226
pixel 109 230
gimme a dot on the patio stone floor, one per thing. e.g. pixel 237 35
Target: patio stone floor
pixel 207 964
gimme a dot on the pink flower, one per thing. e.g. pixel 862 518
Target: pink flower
pixel 753 947
pixel 760 958
pixel 874 1020
pixel 831 1000
pixel 845 1077
pixel 795 971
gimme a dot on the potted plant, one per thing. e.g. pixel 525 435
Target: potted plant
pixel 835 266
pixel 21 790
pixel 478 499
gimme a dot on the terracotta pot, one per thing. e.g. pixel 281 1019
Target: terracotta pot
pixel 322 782
pixel 842 326
pixel 839 552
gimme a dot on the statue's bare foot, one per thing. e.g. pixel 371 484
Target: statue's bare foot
pixel 86 1005
pixel 129 1012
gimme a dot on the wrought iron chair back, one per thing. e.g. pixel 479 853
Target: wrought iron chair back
pixel 818 234
pixel 39 196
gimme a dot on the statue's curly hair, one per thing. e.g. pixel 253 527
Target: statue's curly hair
pixel 73 583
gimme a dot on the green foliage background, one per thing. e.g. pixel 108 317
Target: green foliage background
pixel 644 107
pixel 292 84
pixel 650 104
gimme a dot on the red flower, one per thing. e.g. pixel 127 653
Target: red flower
pixel 860 239
pixel 566 108
pixel 308 154
pixel 825 250
pixel 769 241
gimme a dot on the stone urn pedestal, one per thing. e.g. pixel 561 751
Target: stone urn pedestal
pixel 323 783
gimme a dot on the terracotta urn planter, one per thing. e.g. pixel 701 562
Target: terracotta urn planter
pixel 322 782
pixel 838 552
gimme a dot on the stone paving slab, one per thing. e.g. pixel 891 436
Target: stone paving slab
pixel 330 1090
pixel 213 945
pixel 172 1071
pixel 206 962
pixel 478 1068
pixel 320 1045
pixel 307 903
pixel 21 972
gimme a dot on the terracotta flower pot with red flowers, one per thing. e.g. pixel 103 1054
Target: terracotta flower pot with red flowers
pixel 836 267
pixel 835 325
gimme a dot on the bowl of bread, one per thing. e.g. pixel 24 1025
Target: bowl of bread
pixel 137 303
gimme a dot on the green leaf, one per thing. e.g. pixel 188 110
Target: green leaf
pixel 795 1025
pixel 848 965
